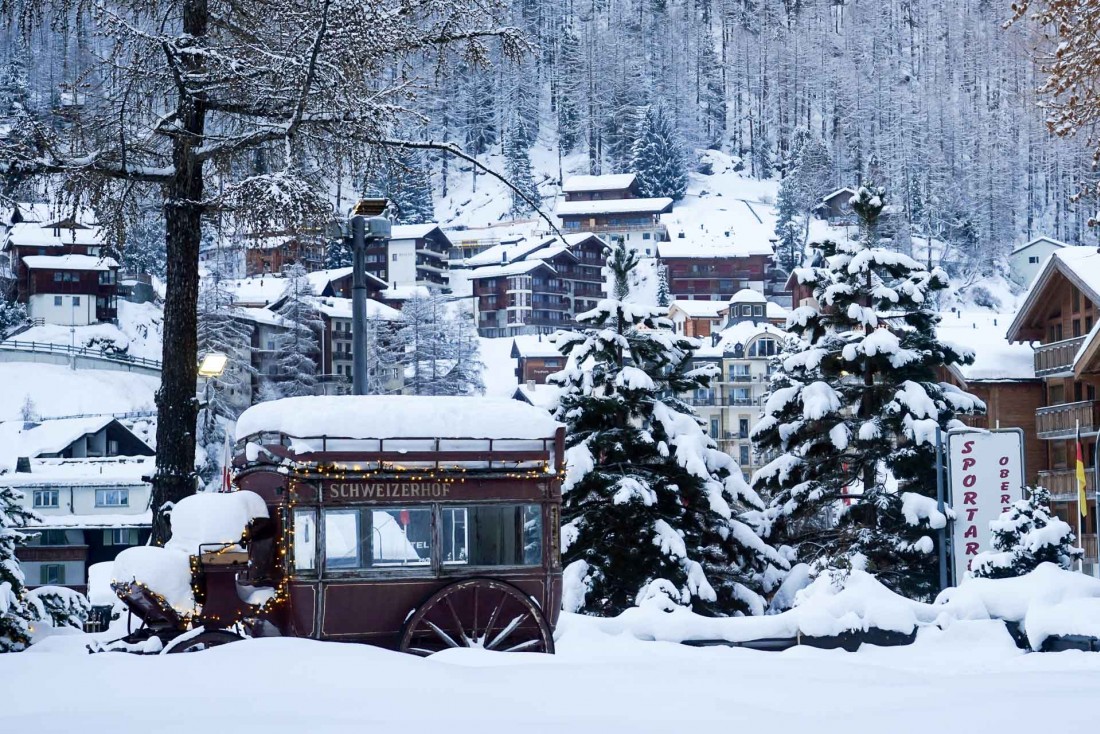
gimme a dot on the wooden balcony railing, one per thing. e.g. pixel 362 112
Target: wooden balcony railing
pixel 1062 483
pixel 1056 357
pixel 1061 421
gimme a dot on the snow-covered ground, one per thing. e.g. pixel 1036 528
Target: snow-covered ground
pixel 57 390
pixel 138 333
pixel 966 679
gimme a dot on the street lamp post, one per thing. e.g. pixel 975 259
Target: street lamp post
pixel 212 366
pixel 367 226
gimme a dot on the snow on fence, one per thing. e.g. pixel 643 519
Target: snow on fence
pixel 14 345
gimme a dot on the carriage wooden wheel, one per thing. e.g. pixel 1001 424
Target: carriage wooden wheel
pixel 481 613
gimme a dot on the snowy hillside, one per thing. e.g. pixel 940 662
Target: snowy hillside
pixel 57 390
pixel 138 333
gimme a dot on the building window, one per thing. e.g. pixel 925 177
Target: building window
pixel 1075 298
pixel 763 348
pixel 714 427
pixel 744 454
pixel 746 310
pixel 120 536
pixel 57 277
pixel 46 498
pixel 112 498
pixel 758 310
pixel 743 428
pixel 53 537
pixel 57 300
pixel 51 573
pixel 1076 328
pixel 76 300
pixel 395 257
pixel 1033 260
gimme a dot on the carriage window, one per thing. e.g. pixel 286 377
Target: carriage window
pixel 305 540
pixel 343 541
pixel 492 535
pixel 401 537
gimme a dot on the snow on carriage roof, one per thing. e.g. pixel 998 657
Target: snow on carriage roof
pixel 399 416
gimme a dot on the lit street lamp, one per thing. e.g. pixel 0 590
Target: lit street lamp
pixel 212 365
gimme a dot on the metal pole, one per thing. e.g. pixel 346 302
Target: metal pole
pixel 1080 534
pixel 942 509
pixel 359 306
pixel 1095 488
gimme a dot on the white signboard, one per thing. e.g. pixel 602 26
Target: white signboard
pixel 985 473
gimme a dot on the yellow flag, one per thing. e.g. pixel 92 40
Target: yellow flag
pixel 1082 501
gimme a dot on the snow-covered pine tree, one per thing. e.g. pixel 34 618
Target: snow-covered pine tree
pixel 650 506
pixel 789 245
pixel 853 410
pixel 337 255
pixel 517 167
pixel 568 89
pixel 428 353
pixel 464 377
pixel 15 613
pixel 406 181
pixel 658 156
pixel 12 315
pixel 296 347
pixel 1024 536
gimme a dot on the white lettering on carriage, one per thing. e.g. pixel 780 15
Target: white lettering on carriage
pixel 387 490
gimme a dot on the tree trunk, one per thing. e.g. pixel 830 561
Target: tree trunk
pixel 177 407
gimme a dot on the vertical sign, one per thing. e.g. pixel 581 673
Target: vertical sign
pixel 985 476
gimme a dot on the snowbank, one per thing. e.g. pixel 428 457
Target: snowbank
pixel 404 416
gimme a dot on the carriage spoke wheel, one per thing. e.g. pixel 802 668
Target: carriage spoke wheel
pixel 477 613
pixel 202 641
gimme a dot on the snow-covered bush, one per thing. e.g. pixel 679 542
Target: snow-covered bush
pixel 59 606
pixel 1024 536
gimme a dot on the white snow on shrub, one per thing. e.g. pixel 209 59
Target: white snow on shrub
pixel 919 509
pixel 575 585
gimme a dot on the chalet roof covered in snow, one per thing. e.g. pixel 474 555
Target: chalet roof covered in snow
pixel 260 315
pixel 839 192
pixel 606 182
pixel 516 268
pixel 1079 265
pixel 404 292
pixel 699 309
pixel 740 334
pixel 44 213
pixel 1037 240
pixel 413 231
pixel 658 205
pixel 340 308
pixel 106 471
pixel 52 436
pixel 35 234
pixel 741 231
pixel 70 262
pixel 540 396
pixel 539 248
pixel 256 290
pixel 398 416
pixel 534 346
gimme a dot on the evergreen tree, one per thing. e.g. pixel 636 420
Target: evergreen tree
pixel 517 162
pixel 12 315
pixel 853 411
pixel 428 351
pixel 406 181
pixel 297 348
pixel 664 298
pixel 789 246
pixel 649 504
pixel 337 255
pixel 568 88
pixel 658 156
pixel 15 613
pixel 464 377
pixel 1024 536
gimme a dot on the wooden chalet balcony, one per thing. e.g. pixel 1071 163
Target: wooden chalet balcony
pixel 1062 484
pixel 1061 421
pixel 1056 357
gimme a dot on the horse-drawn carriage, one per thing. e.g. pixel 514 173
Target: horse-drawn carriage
pixel 412 523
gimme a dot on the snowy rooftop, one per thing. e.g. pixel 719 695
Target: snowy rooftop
pixel 608 182
pixel 748 295
pixel 34 234
pixel 615 206
pixel 775 311
pixel 321 278
pixel 260 315
pixel 534 345
pixel 516 268
pixel 45 213
pixel 984 333
pixel 69 262
pixel 89 472
pixel 540 396
pixel 540 248
pixel 700 309
pixel 340 308
pixel 1043 238
pixel 48 437
pixel 257 290
pixel 404 416
pixel 412 231
pixel 741 230
pixel 1084 262
pixel 1080 265
pixel 404 292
